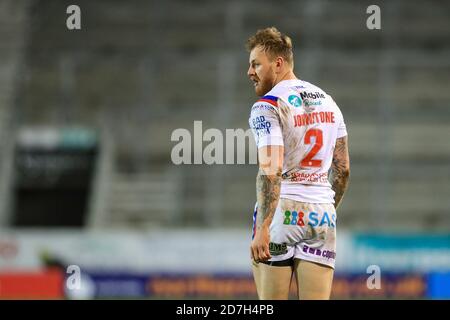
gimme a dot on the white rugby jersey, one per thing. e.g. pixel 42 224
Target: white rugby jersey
pixel 306 121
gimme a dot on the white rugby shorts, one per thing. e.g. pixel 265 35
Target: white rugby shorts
pixel 304 231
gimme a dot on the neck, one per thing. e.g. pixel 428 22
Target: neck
pixel 288 75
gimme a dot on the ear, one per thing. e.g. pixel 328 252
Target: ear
pixel 279 63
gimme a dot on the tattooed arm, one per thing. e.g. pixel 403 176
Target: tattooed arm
pixel 340 169
pixel 268 183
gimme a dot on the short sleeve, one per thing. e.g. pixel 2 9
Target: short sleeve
pixel 342 129
pixel 265 124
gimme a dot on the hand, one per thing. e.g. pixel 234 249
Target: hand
pixel 260 245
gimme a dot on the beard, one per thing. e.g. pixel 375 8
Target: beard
pixel 264 86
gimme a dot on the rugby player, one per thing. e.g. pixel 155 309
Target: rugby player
pixel 301 138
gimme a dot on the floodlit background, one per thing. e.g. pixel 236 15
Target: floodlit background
pixel 88 187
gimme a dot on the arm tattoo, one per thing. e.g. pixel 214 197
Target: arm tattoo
pixel 340 169
pixel 268 194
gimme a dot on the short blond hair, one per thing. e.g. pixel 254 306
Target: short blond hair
pixel 273 42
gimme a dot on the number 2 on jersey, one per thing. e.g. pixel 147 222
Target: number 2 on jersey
pixel 308 160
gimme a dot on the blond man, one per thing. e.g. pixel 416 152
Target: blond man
pixel 301 135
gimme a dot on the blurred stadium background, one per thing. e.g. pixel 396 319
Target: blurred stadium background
pixel 86 118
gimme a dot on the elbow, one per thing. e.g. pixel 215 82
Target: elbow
pixel 270 171
pixel 341 169
pixel 346 172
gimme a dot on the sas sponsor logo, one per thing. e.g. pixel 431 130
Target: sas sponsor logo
pixel 329 254
pixel 261 126
pixel 295 101
pixel 298 218
pixel 277 249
